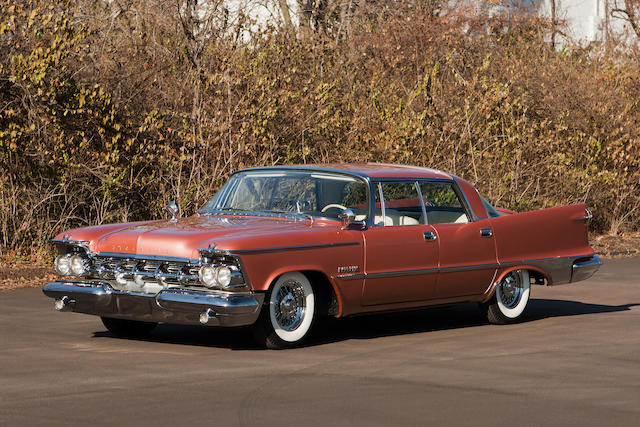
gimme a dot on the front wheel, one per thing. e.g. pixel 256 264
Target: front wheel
pixel 128 328
pixel 287 319
pixel 510 298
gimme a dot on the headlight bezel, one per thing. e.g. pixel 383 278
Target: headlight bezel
pixel 72 261
pixel 229 272
pixel 218 276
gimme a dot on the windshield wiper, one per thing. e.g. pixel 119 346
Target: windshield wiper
pixel 213 211
pixel 279 211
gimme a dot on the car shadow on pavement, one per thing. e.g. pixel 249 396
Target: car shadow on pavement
pixel 373 326
pixel 239 338
pixel 544 308
pixel 444 318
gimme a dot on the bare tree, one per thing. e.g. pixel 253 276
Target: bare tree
pixel 286 14
pixel 201 23
pixel 628 11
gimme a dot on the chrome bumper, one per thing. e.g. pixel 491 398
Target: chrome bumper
pixel 585 269
pixel 182 306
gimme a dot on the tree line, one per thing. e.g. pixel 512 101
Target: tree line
pixel 108 109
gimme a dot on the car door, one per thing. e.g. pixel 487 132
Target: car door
pixel 467 248
pixel 401 250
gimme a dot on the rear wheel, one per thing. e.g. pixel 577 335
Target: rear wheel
pixel 128 328
pixel 510 298
pixel 287 319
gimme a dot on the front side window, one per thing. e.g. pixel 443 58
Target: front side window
pixel 317 194
pixel 398 203
pixel 442 204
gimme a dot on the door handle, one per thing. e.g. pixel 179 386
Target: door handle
pixel 486 232
pixel 430 235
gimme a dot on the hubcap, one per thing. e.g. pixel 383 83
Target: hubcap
pixel 290 305
pixel 511 290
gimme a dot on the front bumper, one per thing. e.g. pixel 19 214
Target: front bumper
pixel 182 306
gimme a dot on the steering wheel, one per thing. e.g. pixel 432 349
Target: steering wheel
pixel 333 205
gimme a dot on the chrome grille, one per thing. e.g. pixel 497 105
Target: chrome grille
pixel 150 276
pixel 143 271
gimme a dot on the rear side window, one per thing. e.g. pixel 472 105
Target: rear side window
pixel 442 204
pixel 493 213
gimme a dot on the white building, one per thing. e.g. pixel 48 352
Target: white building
pixel 588 20
pixel 579 20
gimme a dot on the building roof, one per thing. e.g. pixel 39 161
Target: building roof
pixel 371 170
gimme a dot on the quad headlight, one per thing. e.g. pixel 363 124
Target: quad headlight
pixel 207 275
pixel 71 265
pixel 223 276
pixel 78 265
pixel 215 276
pixel 62 265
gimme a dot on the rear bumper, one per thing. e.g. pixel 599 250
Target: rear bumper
pixel 182 306
pixel 584 269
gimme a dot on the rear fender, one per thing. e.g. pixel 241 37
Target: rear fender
pixel 542 234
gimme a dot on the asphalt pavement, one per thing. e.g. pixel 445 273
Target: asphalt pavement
pixel 575 360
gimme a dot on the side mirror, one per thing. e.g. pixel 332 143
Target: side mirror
pixel 348 217
pixel 173 210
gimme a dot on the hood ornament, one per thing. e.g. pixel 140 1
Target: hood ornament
pixel 173 210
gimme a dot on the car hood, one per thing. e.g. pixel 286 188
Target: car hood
pixel 184 237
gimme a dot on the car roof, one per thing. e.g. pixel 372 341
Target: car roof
pixel 369 170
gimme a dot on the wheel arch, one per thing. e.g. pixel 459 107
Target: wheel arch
pixel 326 289
pixel 539 276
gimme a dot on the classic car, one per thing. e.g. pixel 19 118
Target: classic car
pixel 279 248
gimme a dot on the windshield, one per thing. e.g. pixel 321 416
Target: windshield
pixel 319 194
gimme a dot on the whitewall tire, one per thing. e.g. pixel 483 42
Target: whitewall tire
pixel 510 298
pixel 288 316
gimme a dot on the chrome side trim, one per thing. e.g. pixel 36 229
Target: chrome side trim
pixel 401 273
pixel 351 276
pixel 416 272
pixel 470 267
pixel 284 248
pixel 557 267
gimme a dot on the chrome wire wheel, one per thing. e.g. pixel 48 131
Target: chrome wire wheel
pixel 512 295
pixel 290 305
pixel 511 290
pixel 291 310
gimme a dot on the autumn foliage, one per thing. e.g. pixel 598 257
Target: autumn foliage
pixel 109 110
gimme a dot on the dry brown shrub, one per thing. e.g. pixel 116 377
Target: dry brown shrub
pixel 111 109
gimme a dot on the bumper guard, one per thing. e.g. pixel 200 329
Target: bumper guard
pixel 584 269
